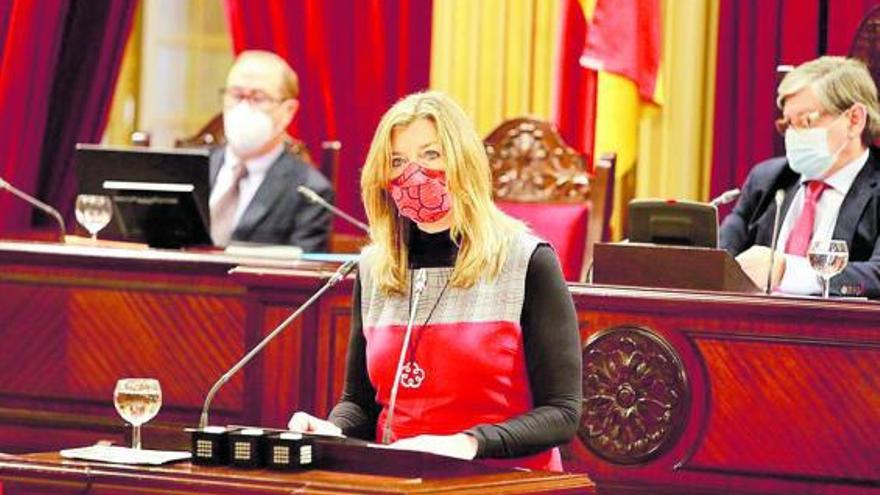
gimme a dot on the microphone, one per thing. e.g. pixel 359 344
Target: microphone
pixel 726 197
pixel 340 274
pixel 419 284
pixel 780 195
pixel 317 199
pixel 36 203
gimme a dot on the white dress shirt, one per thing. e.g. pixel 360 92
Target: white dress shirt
pixel 257 168
pixel 799 278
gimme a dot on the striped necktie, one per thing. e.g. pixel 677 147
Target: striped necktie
pixel 802 232
pixel 223 210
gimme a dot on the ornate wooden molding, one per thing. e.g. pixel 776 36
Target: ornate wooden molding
pixel 531 163
pixel 636 395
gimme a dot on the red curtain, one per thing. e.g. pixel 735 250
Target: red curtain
pixel 57 75
pixel 82 92
pixel 30 47
pixel 354 59
pixel 5 12
pixel 574 103
pixel 754 37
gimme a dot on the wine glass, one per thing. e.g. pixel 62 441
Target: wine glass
pixel 827 258
pixel 93 212
pixel 137 400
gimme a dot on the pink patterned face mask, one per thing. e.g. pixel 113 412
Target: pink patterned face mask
pixel 420 193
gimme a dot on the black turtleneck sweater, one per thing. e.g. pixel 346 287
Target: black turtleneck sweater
pixel 552 351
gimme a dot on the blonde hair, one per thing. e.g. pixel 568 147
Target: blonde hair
pixel 838 83
pixel 482 232
pixel 289 80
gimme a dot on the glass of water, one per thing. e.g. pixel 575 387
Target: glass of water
pixel 827 258
pixel 93 212
pixel 137 400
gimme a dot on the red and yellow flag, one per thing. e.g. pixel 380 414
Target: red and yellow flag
pixel 624 39
pixel 623 45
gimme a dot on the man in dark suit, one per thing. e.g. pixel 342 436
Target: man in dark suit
pixel 831 179
pixel 254 178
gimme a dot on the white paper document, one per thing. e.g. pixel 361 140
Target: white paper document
pixel 124 455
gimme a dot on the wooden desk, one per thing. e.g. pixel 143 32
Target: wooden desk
pixel 51 474
pixel 751 392
pixel 74 319
pixel 682 388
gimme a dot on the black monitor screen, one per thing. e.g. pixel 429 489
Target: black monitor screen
pixel 159 196
pixel 682 223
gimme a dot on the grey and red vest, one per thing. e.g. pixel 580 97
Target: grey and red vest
pixel 466 366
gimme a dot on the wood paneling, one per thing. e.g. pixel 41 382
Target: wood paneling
pixel 74 320
pixel 333 339
pixel 820 400
pixel 784 394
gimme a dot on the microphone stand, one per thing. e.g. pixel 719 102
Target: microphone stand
pixel 27 198
pixel 317 199
pixel 340 274
pixel 725 197
pixel 421 280
pixel 780 196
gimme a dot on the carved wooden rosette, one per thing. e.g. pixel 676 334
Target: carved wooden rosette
pixel 531 163
pixel 635 395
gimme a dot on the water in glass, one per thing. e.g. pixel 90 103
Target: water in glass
pixel 93 212
pixel 827 264
pixel 137 400
pixel 827 258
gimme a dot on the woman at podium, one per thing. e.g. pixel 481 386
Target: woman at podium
pixel 464 336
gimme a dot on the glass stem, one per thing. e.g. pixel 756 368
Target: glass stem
pixel 826 287
pixel 136 437
pixel 95 237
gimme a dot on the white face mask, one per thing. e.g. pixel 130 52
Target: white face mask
pixel 807 152
pixel 247 129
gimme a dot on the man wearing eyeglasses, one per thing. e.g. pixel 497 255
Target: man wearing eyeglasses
pixel 831 178
pixel 254 178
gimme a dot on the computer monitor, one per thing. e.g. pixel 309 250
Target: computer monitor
pixel 160 196
pixel 682 223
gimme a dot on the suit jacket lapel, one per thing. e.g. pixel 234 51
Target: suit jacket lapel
pixel 861 191
pixel 274 185
pixel 788 181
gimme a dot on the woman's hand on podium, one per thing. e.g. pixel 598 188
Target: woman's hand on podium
pixel 306 423
pixel 460 446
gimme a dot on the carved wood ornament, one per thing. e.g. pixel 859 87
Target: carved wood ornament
pixel 531 163
pixel 635 395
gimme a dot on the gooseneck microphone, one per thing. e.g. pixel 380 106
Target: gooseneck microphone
pixel 419 283
pixel 726 197
pixel 36 203
pixel 340 274
pixel 317 199
pixel 780 196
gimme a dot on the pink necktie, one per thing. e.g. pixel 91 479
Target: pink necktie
pixel 802 232
pixel 223 211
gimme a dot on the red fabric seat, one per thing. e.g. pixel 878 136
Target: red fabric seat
pixel 563 225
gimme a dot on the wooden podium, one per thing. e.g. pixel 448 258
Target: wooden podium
pixel 357 470
pixel 669 267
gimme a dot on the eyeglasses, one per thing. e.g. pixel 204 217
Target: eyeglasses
pixel 260 99
pixel 800 122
